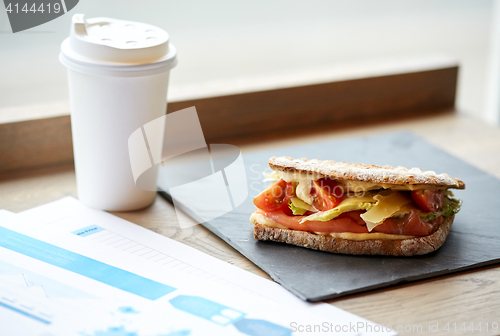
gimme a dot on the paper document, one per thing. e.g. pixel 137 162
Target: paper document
pixel 163 274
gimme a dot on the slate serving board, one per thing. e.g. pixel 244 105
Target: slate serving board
pixel 474 239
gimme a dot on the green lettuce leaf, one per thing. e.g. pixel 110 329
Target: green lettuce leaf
pixel 451 206
pixel 295 210
pixel 299 207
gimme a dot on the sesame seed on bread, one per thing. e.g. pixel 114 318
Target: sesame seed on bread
pixel 343 171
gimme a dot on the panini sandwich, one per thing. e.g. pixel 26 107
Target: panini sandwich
pixel 354 208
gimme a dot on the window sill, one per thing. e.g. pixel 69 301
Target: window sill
pixel 37 136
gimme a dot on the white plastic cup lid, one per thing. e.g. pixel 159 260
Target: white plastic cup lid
pixel 106 44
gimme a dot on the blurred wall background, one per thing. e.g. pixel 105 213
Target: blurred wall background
pixel 223 39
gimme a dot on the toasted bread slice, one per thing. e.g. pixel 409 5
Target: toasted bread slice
pixel 381 175
pixel 388 247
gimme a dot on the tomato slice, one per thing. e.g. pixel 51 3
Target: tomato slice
pixel 428 200
pixel 326 194
pixel 275 197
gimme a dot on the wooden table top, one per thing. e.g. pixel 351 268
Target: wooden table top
pixel 465 297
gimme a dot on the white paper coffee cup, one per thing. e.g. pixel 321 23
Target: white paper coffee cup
pixel 118 75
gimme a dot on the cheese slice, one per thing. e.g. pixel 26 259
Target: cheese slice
pixel 368 198
pixel 386 206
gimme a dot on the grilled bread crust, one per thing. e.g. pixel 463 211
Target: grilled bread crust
pixel 388 247
pixel 343 171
